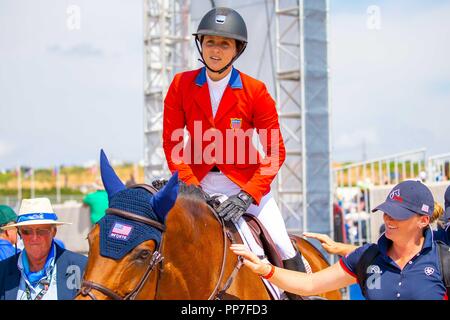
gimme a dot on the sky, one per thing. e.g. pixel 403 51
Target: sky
pixel 69 88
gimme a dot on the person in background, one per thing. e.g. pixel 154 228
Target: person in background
pixel 97 201
pixel 442 232
pixel 407 260
pixel 42 270
pixel 8 238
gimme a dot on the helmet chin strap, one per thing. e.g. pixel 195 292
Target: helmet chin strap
pixel 202 60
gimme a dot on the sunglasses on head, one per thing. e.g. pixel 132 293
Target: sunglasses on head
pixel 39 232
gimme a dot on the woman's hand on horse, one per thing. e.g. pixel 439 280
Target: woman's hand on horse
pixel 331 246
pixel 327 243
pixel 251 260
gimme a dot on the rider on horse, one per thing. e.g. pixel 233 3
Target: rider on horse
pixel 218 101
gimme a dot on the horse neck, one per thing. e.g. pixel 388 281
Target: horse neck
pixel 193 252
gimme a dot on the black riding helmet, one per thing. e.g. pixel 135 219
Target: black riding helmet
pixel 224 22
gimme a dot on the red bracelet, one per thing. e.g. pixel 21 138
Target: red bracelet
pixel 271 272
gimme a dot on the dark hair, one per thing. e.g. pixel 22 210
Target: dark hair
pixel 239 45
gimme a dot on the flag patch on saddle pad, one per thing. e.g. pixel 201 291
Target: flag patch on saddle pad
pixel 120 231
pixel 235 123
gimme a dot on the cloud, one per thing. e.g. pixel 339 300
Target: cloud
pixel 394 81
pixel 6 149
pixel 78 50
pixel 356 138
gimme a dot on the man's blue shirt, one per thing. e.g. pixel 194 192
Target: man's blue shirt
pixel 6 249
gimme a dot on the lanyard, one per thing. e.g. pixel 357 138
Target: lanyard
pixel 40 294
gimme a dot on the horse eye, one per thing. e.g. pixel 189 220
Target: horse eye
pixel 144 254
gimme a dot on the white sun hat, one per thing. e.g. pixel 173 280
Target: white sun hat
pixel 35 211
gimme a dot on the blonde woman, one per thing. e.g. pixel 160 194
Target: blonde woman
pixel 342 249
pixel 406 267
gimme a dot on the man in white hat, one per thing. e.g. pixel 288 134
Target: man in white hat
pixel 43 270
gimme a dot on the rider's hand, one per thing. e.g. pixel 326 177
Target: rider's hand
pixel 251 260
pixel 159 184
pixel 235 206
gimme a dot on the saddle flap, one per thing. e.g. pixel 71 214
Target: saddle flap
pixel 263 239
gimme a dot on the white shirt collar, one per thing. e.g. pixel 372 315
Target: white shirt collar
pixel 220 83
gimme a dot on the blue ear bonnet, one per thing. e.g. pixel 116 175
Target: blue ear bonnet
pixel 118 235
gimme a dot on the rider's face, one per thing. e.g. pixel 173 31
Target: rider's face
pixel 218 51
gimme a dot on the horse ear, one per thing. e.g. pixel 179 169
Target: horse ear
pixel 165 199
pixel 110 179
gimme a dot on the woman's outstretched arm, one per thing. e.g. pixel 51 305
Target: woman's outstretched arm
pixel 331 278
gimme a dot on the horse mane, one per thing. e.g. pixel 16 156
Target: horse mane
pixel 191 191
pixel 186 191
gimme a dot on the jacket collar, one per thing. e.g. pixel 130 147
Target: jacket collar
pixel 235 79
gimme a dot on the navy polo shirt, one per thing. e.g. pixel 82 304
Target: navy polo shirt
pixel 420 279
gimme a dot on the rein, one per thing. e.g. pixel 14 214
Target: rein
pixel 216 293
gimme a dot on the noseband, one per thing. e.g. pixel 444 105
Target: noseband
pixel 87 286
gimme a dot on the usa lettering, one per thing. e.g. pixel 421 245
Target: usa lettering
pixel 118 236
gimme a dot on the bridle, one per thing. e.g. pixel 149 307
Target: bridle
pixel 88 286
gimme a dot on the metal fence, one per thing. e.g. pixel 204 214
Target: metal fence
pixel 438 168
pixel 352 184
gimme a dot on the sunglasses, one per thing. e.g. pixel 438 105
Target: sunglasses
pixel 38 232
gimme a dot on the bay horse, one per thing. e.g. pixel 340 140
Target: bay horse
pixel 187 257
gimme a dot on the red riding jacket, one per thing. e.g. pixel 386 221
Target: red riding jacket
pixel 224 141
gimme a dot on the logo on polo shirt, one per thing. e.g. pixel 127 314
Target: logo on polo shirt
pixel 373 269
pixel 429 271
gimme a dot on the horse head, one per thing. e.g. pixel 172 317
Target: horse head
pixel 124 246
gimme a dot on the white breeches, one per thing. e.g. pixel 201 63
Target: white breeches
pixel 267 212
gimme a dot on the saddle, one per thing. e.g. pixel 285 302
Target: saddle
pixel 263 239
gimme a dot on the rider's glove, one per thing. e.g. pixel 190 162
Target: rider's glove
pixel 159 184
pixel 235 206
